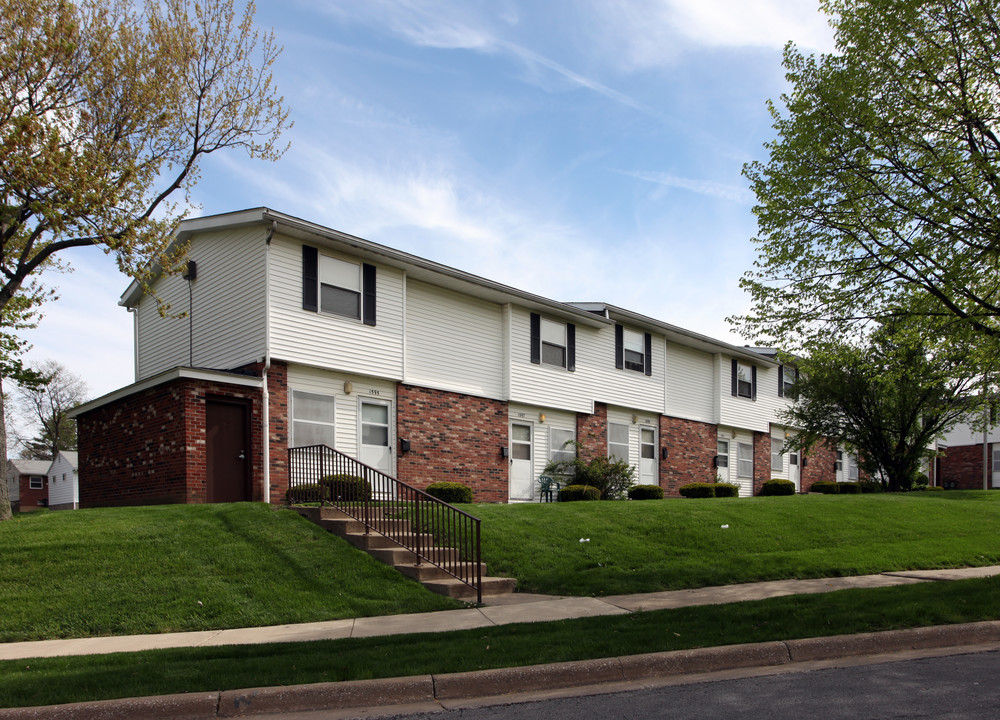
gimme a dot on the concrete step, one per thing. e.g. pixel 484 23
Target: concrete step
pixel 374 541
pixel 425 572
pixel 461 591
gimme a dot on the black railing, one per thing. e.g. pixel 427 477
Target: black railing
pixel 434 531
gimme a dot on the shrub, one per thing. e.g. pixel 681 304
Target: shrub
pixel 697 490
pixel 850 488
pixel 450 492
pixel 777 486
pixel 612 478
pixel 725 489
pixel 826 487
pixel 870 486
pixel 308 492
pixel 574 493
pixel 645 492
pixel 347 488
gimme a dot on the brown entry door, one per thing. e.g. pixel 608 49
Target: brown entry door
pixel 228 452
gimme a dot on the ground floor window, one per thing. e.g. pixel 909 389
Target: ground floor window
pixel 777 453
pixel 36 482
pixel 312 419
pixel 618 441
pixel 561 448
pixel 744 460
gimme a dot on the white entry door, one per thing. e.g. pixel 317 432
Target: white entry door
pixel 647 456
pixel 793 469
pixel 376 435
pixel 522 471
pixel 722 460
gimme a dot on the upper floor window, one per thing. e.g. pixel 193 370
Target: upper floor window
pixel 553 343
pixel 744 380
pixel 633 350
pixel 337 286
pixel 787 376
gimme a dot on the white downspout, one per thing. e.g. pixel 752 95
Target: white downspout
pixel 265 395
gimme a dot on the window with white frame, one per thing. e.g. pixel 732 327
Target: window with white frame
pixel 722 454
pixel 618 441
pixel 744 460
pixel 339 287
pixel 777 455
pixel 561 448
pixel 996 458
pixel 553 335
pixel 744 380
pixel 634 344
pixel 838 466
pixel 788 377
pixel 312 419
pixel 852 468
pixel 36 482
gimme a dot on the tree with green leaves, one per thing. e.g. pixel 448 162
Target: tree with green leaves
pixel 880 197
pixel 888 399
pixel 44 408
pixel 107 108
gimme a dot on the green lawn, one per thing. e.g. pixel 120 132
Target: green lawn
pixel 679 543
pixel 170 568
pixel 161 672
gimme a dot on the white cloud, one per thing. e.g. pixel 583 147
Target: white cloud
pixel 724 191
pixel 652 33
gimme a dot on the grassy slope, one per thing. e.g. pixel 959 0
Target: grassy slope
pixel 145 570
pixel 669 544
pixel 74 679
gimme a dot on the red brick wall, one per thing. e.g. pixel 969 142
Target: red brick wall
pixel 691 447
pixel 277 387
pixel 761 460
pixel 33 499
pixel 149 448
pixel 592 432
pixel 453 437
pixel 819 465
pixel 963 466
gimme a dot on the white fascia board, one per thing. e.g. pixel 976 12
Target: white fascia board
pixel 217 376
pixel 685 337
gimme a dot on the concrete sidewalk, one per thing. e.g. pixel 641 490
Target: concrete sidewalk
pixel 502 610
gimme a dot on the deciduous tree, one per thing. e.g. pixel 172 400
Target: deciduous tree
pixel 880 197
pixel 45 409
pixel 106 109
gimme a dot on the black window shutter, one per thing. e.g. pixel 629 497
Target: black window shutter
pixel 619 347
pixel 368 294
pixel 310 278
pixel 735 371
pixel 648 354
pixel 570 347
pixel 781 381
pixel 753 382
pixel 536 338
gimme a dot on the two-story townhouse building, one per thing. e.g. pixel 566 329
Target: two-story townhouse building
pixel 284 333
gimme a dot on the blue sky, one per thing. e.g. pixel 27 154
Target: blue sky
pixel 585 150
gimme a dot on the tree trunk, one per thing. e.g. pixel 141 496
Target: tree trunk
pixel 5 513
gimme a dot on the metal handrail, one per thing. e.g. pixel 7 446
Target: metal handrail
pixel 434 531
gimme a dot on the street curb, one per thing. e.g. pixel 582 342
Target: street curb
pixel 361 694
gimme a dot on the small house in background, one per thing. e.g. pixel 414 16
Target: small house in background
pixel 64 485
pixel 27 482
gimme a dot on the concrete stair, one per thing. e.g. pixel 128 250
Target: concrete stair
pixel 392 553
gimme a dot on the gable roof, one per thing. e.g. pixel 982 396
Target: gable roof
pixel 29 467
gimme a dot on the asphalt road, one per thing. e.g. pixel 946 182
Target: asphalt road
pixel 959 686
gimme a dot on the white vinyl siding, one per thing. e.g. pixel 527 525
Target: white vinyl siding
pixel 64 489
pixel 227 317
pixel 741 412
pixel 691 385
pixel 453 342
pixel 318 382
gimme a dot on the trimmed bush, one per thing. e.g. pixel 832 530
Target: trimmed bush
pixel 302 494
pixel 645 492
pixel 575 493
pixel 348 488
pixel 870 486
pixel 777 486
pixel 727 490
pixel 450 492
pixel 697 490
pixel 826 487
pixel 850 488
